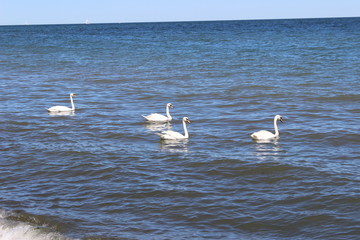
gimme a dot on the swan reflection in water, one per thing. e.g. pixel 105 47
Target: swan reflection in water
pixel 71 113
pixel 174 146
pixel 157 126
pixel 273 141
pixel 267 149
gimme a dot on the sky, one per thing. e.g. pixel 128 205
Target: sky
pixel 19 12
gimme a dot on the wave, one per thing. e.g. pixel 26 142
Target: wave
pixel 13 226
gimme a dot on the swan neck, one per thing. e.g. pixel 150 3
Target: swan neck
pixel 168 113
pixel 276 127
pixel 72 103
pixel 185 130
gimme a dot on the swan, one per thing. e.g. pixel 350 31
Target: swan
pixel 172 135
pixel 57 109
pixel 266 135
pixel 155 117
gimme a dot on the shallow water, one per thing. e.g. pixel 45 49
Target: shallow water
pixel 103 173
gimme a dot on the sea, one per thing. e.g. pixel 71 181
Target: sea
pixel 102 172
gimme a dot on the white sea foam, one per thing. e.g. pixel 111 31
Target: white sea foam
pixel 14 230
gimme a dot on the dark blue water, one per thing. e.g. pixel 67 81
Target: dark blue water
pixel 103 173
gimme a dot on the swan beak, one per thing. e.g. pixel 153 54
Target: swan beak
pixel 188 121
pixel 171 106
pixel 281 120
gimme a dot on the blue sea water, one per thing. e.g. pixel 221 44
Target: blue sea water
pixel 103 173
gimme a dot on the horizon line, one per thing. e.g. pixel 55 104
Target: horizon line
pixel 172 21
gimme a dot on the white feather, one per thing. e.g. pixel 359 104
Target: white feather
pixel 172 135
pixel 266 135
pixel 63 108
pixel 155 117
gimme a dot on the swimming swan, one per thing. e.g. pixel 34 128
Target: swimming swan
pixel 172 135
pixel 266 135
pixel 56 109
pixel 155 117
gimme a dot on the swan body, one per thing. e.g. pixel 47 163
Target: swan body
pixel 172 135
pixel 266 135
pixel 155 117
pixel 57 109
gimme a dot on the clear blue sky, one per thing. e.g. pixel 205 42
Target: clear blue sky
pixel 14 12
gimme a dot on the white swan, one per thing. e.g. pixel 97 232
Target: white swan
pixel 57 109
pixel 266 135
pixel 172 135
pixel 155 117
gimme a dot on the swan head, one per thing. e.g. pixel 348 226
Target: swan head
pixel 72 95
pixel 186 119
pixel 169 105
pixel 278 117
